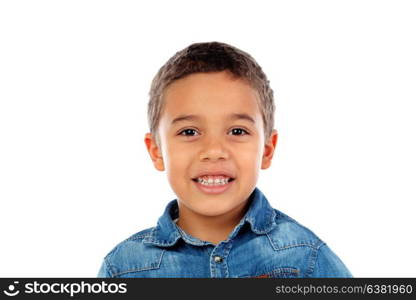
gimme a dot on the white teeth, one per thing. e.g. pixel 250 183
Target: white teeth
pixel 211 181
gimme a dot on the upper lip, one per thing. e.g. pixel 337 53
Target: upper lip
pixel 214 173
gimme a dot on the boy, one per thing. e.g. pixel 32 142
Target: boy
pixel 211 116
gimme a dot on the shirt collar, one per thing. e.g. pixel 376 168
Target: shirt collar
pixel 260 215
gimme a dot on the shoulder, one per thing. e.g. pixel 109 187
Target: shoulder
pixel 289 233
pixel 322 261
pixel 132 255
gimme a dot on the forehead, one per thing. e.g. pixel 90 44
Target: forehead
pixel 210 95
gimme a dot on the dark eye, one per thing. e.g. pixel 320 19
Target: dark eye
pixel 238 131
pixel 188 132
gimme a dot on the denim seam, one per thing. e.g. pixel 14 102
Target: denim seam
pixel 107 258
pixel 143 269
pixel 280 271
pixel 107 269
pixel 191 240
pixel 228 249
pixel 313 260
pixel 296 245
pixel 164 243
pixel 138 237
pixel 301 244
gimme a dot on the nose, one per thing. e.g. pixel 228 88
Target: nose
pixel 213 150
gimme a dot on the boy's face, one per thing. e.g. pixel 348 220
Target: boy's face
pixel 211 128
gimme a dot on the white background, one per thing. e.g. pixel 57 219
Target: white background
pixel 75 177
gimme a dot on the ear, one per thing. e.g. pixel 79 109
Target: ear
pixel 269 148
pixel 154 152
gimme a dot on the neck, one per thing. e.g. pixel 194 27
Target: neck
pixel 212 229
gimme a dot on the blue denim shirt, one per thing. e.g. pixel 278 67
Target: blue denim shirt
pixel 265 243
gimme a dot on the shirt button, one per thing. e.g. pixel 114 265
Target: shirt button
pixel 217 259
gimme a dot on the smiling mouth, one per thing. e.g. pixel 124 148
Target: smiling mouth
pixel 213 180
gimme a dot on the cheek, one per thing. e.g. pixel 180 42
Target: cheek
pixel 249 158
pixel 177 161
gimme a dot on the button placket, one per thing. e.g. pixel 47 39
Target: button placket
pixel 218 260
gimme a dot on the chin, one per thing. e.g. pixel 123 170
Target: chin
pixel 214 209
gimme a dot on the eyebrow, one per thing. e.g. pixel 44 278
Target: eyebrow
pixel 235 116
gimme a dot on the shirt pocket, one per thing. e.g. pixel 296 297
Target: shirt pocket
pixel 282 272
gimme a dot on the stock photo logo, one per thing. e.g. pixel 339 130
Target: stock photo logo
pixel 11 291
pixel 70 289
